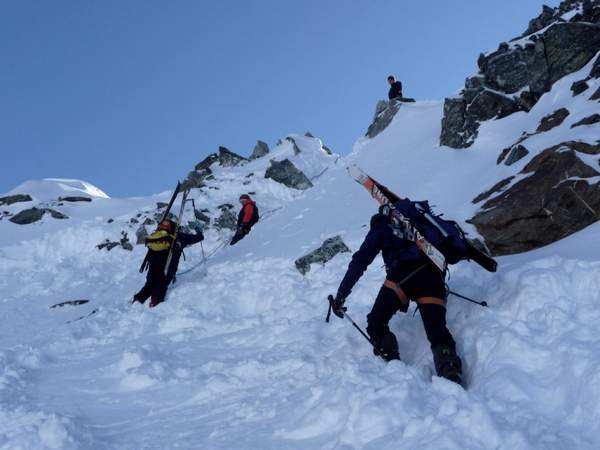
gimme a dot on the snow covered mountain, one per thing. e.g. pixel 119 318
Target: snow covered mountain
pixel 240 357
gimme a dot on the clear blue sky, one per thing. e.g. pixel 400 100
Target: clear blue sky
pixel 129 95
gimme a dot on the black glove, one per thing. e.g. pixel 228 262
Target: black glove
pixel 337 305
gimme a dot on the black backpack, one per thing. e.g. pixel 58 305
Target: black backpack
pixel 445 235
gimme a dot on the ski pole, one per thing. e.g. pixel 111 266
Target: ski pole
pixel 330 298
pixel 482 303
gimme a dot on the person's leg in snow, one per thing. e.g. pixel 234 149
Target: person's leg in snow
pixel 384 341
pixel 447 363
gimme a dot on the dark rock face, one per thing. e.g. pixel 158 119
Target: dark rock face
pixel 286 173
pixel 549 204
pixel 199 215
pixel 596 95
pixel 595 72
pixel 553 120
pixel 74 199
pixel 496 188
pixel 515 76
pixel 10 199
pixel 323 254
pixel 515 154
pixel 227 158
pixel 578 87
pixel 260 149
pixel 590 120
pixel 32 215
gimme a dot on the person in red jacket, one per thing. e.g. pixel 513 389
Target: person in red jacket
pixel 247 217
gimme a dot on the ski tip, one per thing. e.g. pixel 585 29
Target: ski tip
pixel 356 172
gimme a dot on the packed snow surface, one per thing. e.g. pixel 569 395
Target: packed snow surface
pixel 240 356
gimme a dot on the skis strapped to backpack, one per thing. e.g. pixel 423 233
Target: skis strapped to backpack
pixel 164 216
pixel 183 201
pixel 416 222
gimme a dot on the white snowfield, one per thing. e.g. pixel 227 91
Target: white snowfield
pixel 240 356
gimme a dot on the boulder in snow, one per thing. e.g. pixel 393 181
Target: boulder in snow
pixel 553 120
pixel 590 120
pixel 323 254
pixel 124 243
pixel 32 215
pixel 286 173
pixel 579 86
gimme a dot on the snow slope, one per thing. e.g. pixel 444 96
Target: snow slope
pixel 240 357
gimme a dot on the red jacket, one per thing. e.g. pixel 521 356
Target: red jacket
pixel 247 213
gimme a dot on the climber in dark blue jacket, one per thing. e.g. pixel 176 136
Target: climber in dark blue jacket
pixel 410 276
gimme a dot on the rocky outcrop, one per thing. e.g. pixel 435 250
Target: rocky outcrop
pixel 596 95
pixel 10 199
pixel 32 215
pixel 227 219
pixel 227 158
pixel 140 235
pixel 590 120
pixel 384 114
pixel 578 87
pixel 553 120
pixel 286 173
pixel 260 149
pixel 323 254
pixel 551 201
pixel 294 145
pixel 124 243
pixel 516 153
pixel 74 199
pixel 516 75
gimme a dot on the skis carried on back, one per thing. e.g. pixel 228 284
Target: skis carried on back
pixel 164 216
pixel 386 197
pixel 183 201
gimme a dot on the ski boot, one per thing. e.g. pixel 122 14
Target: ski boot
pixel 387 348
pixel 447 363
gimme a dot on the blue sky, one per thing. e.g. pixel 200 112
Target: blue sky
pixel 129 95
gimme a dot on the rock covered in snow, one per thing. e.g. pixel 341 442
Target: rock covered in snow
pixel 286 173
pixel 323 254
pixel 515 76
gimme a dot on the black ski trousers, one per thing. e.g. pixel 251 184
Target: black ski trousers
pixel 156 283
pixel 387 304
